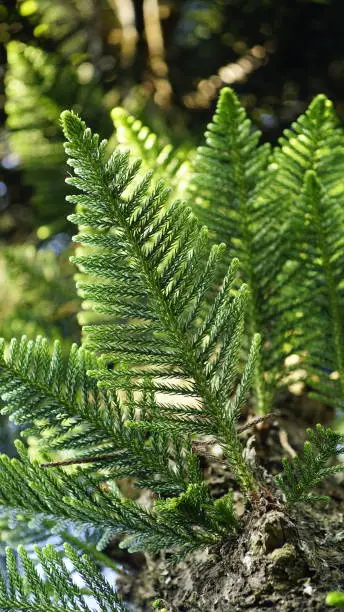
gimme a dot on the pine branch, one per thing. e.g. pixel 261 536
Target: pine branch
pixel 163 159
pixel 229 174
pixel 301 474
pixel 67 410
pixel 170 336
pixel 150 260
pixel 24 589
pixel 85 499
pixel 309 165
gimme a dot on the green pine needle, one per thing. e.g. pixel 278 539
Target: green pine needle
pixel 301 474
pixel 23 588
pixel 147 269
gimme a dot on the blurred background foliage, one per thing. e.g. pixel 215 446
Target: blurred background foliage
pixel 164 61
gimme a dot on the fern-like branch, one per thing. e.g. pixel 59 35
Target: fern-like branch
pixel 56 399
pixel 23 588
pixel 301 474
pixel 229 175
pixel 85 499
pixel 310 164
pixel 148 268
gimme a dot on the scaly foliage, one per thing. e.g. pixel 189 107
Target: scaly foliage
pixel 86 499
pixel 64 406
pixel 148 268
pixel 24 589
pixel 229 174
pixel 309 165
pixel 161 158
pixel 302 474
pixel 168 364
pixel 283 219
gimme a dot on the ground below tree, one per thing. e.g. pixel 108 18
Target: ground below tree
pixel 281 560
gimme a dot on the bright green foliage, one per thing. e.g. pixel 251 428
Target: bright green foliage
pixel 309 167
pixel 148 269
pixel 196 501
pixel 335 598
pixel 229 174
pixel 302 474
pixel 192 520
pixel 227 171
pixel 282 216
pixel 161 158
pixel 37 87
pixel 24 589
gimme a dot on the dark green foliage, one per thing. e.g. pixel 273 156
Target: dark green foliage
pixel 176 368
pixel 62 404
pixel 24 589
pixel 302 474
pixel 171 340
pixel 91 499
